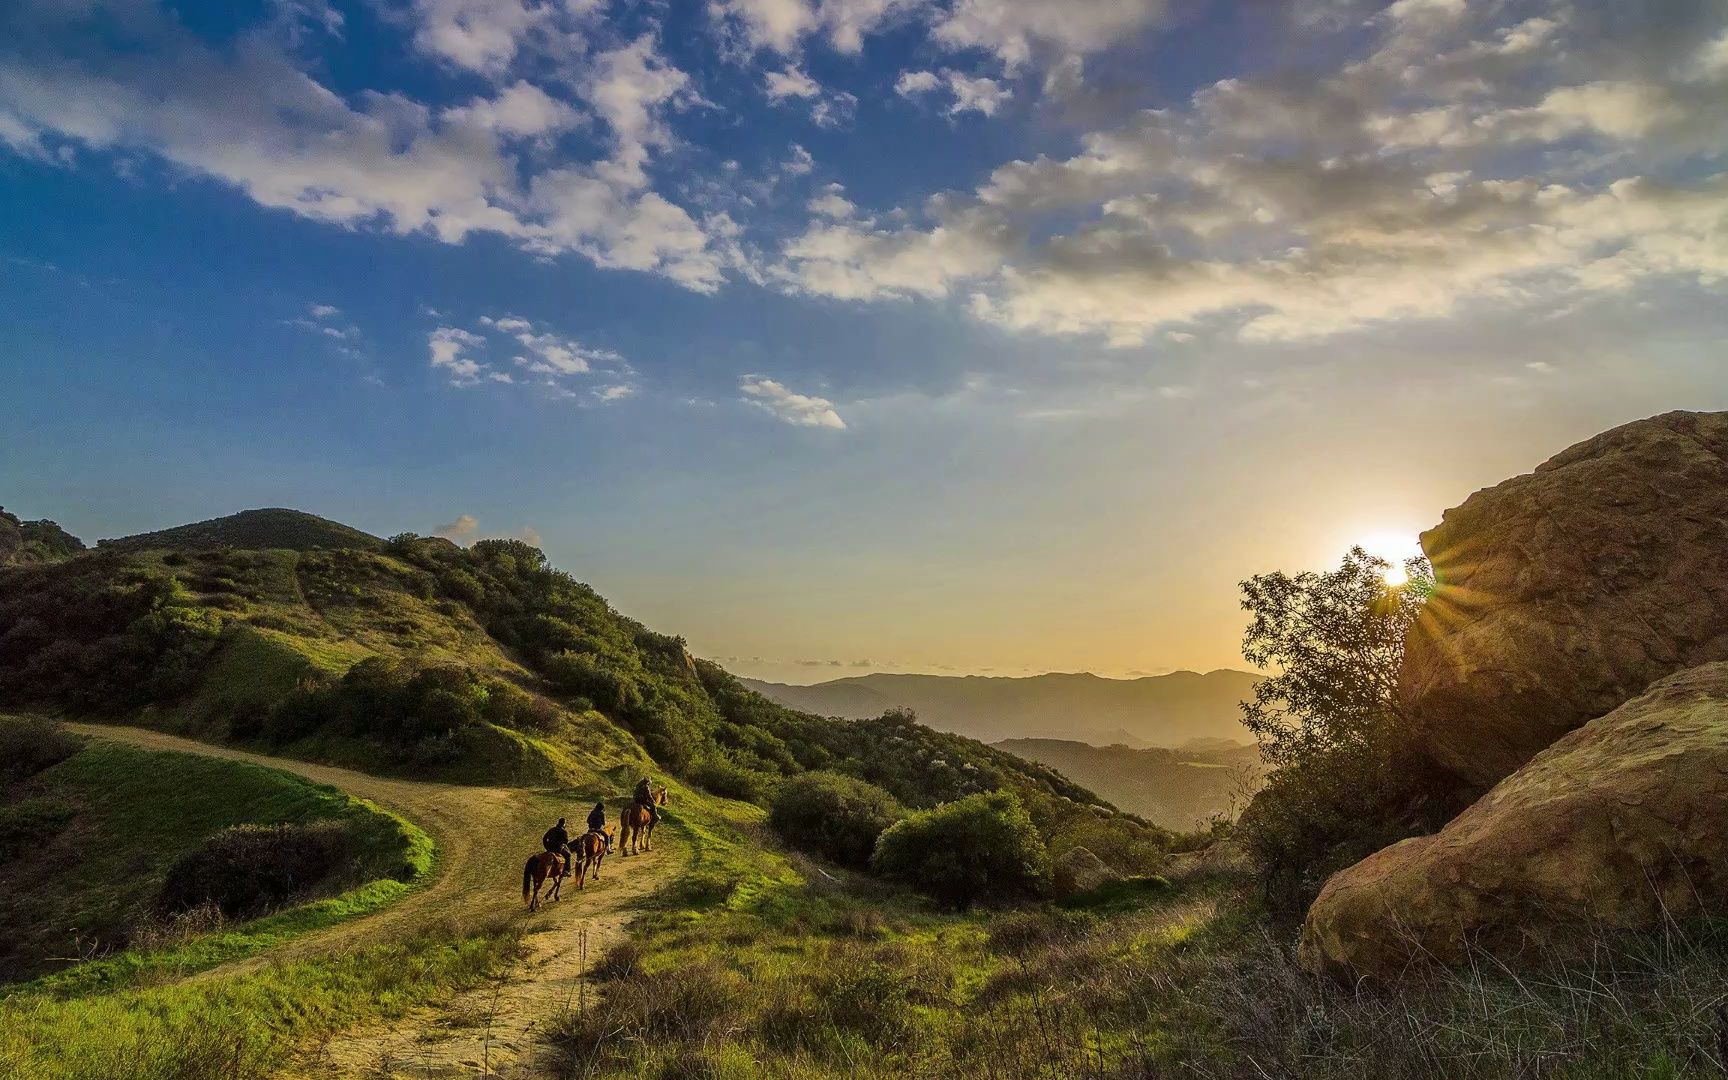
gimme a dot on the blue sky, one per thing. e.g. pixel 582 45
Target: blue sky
pixel 843 335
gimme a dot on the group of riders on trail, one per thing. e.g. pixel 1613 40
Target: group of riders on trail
pixel 564 856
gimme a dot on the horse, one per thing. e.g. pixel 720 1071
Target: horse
pixel 637 823
pixel 590 850
pixel 540 866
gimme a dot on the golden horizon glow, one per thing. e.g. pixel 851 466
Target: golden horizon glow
pixel 1394 547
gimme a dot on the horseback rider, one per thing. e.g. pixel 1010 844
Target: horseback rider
pixel 645 797
pixel 557 841
pixel 597 821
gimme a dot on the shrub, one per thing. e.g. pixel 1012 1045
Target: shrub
pixel 834 816
pixel 247 869
pixel 461 585
pixel 731 780
pixel 30 823
pixel 28 745
pixel 960 852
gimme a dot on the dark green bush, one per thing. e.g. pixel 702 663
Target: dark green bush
pixel 731 780
pixel 28 745
pixel 247 869
pixel 964 851
pixel 30 823
pixel 834 816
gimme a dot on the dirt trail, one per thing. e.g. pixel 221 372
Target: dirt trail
pixel 482 835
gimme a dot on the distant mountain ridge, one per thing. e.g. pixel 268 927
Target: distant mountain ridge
pixel 1159 710
pixel 254 530
pixel 1179 789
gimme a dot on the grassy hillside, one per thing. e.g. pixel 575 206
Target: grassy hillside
pixel 479 664
pixel 87 842
pixel 257 530
pixel 1159 710
pixel 23 542
pixel 1178 789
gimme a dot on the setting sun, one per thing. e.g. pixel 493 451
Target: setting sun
pixel 1395 548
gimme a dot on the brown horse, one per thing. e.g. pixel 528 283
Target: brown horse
pixel 540 866
pixel 590 851
pixel 637 823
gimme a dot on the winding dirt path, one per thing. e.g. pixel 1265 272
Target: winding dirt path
pixel 482 835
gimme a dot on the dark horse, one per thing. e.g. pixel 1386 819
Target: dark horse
pixel 590 851
pixel 637 823
pixel 540 866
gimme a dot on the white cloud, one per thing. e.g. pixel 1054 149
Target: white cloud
pixel 913 83
pixel 449 347
pixel 791 83
pixel 486 36
pixel 782 25
pixel 770 24
pixel 799 410
pixel 966 93
pixel 1473 155
pixel 835 110
pixel 975 95
pixel 832 204
pixel 519 110
pixel 1011 29
pixel 551 354
pixel 800 163
pixel 323 311
pixel 247 116
pixel 861 260
pixel 462 530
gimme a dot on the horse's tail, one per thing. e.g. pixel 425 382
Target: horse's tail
pixel 528 876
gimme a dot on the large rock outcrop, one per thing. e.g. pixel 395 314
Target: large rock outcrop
pixel 1566 591
pixel 1619 824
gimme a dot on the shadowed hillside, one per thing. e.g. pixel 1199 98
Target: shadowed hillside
pixel 1160 710
pixel 253 530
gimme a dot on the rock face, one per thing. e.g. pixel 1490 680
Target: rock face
pixel 1565 592
pixel 1078 870
pixel 1616 825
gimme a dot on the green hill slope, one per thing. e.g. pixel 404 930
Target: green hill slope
pixel 23 542
pixel 254 530
pixel 483 664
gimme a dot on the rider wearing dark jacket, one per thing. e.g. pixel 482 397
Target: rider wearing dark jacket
pixel 645 797
pixel 557 840
pixel 597 822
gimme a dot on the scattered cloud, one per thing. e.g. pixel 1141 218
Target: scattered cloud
pixel 249 117
pixel 463 529
pixel 450 348
pixel 1467 156
pixel 966 93
pixel 539 356
pixel 913 83
pixel 799 410
pixel 791 83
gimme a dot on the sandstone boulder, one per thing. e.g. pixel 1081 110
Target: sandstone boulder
pixel 1565 592
pixel 1078 870
pixel 1617 825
